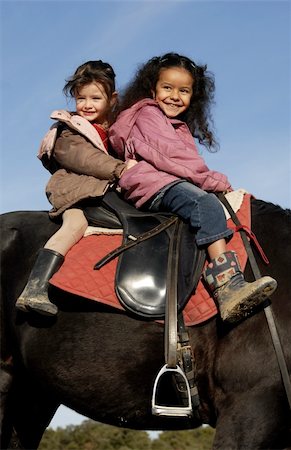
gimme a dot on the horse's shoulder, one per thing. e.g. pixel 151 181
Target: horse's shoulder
pixel 25 228
pixel 12 217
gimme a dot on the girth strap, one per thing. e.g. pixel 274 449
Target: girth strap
pixel 268 309
pixel 186 360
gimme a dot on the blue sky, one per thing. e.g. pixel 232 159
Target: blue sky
pixel 246 44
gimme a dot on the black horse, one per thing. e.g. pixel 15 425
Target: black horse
pixel 102 362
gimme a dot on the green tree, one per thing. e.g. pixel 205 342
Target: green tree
pixel 199 439
pixel 94 436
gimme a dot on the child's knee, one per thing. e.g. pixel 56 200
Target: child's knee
pixel 76 222
pixel 79 228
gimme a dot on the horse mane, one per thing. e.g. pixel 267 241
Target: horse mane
pixel 263 207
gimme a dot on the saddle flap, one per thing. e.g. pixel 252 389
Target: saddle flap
pixel 141 276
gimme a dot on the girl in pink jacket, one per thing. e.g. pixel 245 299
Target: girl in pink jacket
pixel 75 151
pixel 162 109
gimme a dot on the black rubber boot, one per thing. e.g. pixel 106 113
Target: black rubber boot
pixel 35 294
pixel 235 296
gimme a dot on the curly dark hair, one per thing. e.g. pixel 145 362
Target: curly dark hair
pixel 198 115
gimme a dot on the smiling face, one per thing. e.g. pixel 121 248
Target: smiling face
pixel 174 90
pixel 93 104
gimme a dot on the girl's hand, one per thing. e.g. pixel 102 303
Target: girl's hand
pixel 130 163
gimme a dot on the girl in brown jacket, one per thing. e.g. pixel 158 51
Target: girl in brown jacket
pixel 75 151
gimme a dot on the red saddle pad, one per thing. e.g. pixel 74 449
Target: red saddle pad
pixel 77 276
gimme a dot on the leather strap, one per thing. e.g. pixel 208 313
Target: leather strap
pixel 171 297
pixel 134 240
pixel 186 358
pixel 268 309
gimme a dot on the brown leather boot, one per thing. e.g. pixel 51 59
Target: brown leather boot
pixel 235 296
pixel 35 294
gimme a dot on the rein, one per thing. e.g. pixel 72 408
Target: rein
pixel 268 309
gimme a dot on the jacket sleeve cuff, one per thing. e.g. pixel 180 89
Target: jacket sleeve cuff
pixel 119 170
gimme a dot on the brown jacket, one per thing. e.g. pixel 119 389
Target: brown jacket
pixel 83 169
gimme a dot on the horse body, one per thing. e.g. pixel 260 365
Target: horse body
pixel 102 362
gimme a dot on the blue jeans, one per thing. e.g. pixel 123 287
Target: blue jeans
pixel 202 210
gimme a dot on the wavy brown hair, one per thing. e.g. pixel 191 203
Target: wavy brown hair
pixel 92 72
pixel 198 115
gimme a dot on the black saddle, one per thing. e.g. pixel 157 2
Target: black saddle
pixel 143 259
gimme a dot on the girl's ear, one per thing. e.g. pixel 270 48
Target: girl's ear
pixel 113 99
pixel 153 94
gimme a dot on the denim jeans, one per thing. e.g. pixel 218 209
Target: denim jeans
pixel 201 209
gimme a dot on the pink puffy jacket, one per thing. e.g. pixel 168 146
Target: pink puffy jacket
pixel 165 151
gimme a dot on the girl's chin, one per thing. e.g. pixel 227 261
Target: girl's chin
pixel 172 113
pixel 90 117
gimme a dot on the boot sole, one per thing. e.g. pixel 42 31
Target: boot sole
pixel 21 305
pixel 242 310
pixel 42 309
pixel 22 308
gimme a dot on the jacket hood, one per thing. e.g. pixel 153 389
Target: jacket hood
pixel 74 122
pixel 126 120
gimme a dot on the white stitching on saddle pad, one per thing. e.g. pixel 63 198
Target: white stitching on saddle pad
pixel 235 198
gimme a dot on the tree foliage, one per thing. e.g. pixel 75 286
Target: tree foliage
pixel 199 439
pixel 95 436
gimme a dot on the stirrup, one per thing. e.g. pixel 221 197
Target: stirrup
pixel 174 411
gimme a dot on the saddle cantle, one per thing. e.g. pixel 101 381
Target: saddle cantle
pixel 141 275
